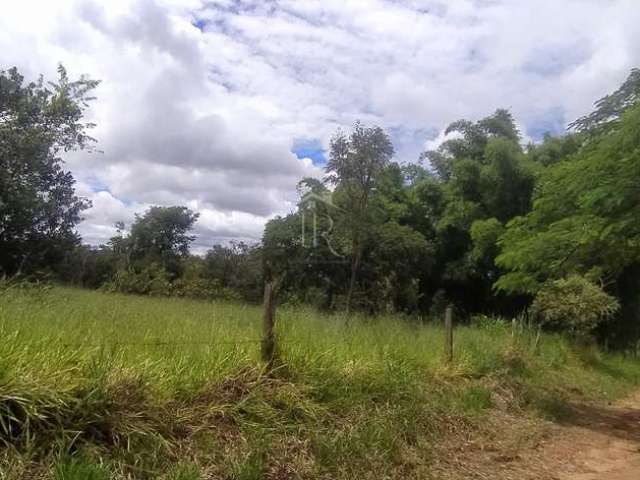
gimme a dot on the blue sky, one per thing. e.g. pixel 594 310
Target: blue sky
pixel 310 148
pixel 223 105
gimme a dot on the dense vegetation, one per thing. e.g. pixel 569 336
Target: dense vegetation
pixel 482 222
pixel 98 386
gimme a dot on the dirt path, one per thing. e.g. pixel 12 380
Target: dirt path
pixel 603 443
pixel 596 442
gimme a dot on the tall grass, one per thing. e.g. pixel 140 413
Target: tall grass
pixel 134 387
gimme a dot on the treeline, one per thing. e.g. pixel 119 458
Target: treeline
pixel 153 258
pixel 39 210
pixel 483 222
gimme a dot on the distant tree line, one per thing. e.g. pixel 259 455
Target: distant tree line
pixel 39 210
pixel 483 222
pixel 153 258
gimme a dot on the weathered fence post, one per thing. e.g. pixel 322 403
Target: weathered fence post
pixel 448 333
pixel 268 324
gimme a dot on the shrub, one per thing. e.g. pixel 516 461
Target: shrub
pixel 574 304
pixel 154 280
pixel 203 289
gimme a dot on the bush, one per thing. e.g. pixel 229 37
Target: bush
pixel 574 304
pixel 154 280
pixel 203 289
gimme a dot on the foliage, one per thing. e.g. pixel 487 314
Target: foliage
pixel 151 280
pixel 610 108
pixel 354 165
pixel 159 235
pixel 573 304
pixel 237 267
pixel 471 141
pixel 486 224
pixel 233 271
pixel 88 266
pixel 155 281
pixel 153 259
pixel 553 149
pixel 483 180
pixel 584 218
pixel 355 161
pixel 38 206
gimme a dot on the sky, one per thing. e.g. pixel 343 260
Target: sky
pixel 224 105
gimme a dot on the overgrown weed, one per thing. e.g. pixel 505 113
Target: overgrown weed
pixel 172 388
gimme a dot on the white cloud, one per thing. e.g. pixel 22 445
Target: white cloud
pixel 206 117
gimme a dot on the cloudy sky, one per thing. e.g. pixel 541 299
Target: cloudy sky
pixel 223 105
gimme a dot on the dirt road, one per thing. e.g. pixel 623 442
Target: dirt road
pixel 595 442
pixel 603 443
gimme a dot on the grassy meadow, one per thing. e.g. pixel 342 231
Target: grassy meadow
pixel 100 386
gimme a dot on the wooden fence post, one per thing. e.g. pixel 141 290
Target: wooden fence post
pixel 268 325
pixel 448 330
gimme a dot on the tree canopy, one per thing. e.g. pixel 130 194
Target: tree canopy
pixel 38 205
pixel 483 221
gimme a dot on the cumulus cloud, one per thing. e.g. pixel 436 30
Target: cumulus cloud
pixel 204 102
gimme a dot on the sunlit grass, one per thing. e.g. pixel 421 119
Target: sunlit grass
pixel 148 387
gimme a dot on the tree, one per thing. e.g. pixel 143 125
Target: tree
pixel 610 108
pixel 470 142
pixel 397 256
pixel 300 249
pixel 236 266
pixel 88 266
pixel 584 218
pixel 161 235
pixel 585 221
pixel 38 205
pixel 355 162
pixel 482 180
pixel 554 149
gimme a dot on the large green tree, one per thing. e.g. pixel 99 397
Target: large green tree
pixel 585 215
pixel 355 163
pixel 309 249
pixel 39 209
pixel 482 180
pixel 303 251
pixel 161 235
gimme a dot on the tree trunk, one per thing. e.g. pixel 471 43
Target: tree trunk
pixel 355 265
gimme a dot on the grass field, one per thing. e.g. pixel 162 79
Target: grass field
pixel 99 386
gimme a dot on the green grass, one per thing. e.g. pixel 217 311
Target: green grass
pixel 171 388
pixel 75 469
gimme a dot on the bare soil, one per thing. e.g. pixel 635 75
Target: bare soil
pixel 603 443
pixel 593 442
